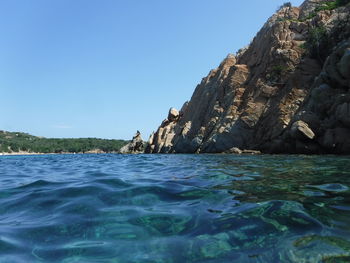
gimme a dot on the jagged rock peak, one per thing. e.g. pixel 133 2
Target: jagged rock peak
pixel 229 60
pixel 135 146
pixel 230 56
pixel 284 13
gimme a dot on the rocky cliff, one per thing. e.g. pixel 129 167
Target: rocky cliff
pixel 288 91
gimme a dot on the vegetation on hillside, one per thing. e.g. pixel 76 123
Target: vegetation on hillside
pixel 17 141
pixel 327 6
pixel 318 43
pixel 332 5
pixel 321 41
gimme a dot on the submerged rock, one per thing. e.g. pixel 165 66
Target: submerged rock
pixel 251 152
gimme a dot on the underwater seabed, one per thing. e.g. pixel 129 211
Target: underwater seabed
pixel 174 208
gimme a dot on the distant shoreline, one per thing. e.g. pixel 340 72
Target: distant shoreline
pixel 19 143
pixel 33 153
pixel 22 153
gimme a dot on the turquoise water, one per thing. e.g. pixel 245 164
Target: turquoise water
pixel 174 208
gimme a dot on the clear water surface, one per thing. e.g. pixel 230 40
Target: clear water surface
pixel 174 208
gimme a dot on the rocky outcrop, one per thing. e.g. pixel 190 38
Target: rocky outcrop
pixel 308 7
pixel 300 130
pixel 136 145
pixel 161 141
pixel 325 114
pixel 276 95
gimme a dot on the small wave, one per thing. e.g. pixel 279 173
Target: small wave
pixel 335 187
pixel 114 183
pixel 8 243
pixel 86 244
pixel 38 184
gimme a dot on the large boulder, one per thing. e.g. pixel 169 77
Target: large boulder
pixel 173 114
pixel 301 130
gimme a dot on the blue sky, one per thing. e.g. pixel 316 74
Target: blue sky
pixel 106 68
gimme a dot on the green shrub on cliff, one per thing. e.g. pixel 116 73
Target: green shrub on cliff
pixel 279 70
pixel 326 6
pixel 332 5
pixel 318 43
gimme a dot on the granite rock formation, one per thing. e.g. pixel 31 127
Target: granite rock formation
pixel 288 91
pixel 136 145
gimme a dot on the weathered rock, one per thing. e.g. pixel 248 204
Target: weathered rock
pixel 336 140
pixel 309 6
pixel 251 152
pixel 234 150
pixel 321 99
pixel 343 114
pixel 336 66
pixel 183 109
pixel 344 64
pixel 300 130
pixel 271 96
pixel 173 114
pixel 312 120
pixel 135 146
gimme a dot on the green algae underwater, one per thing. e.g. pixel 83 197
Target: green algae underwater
pixel 174 208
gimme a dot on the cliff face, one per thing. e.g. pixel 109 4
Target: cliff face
pixel 288 91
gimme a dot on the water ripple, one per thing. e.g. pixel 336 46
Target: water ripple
pixel 174 208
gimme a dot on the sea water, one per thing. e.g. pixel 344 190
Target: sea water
pixel 174 208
